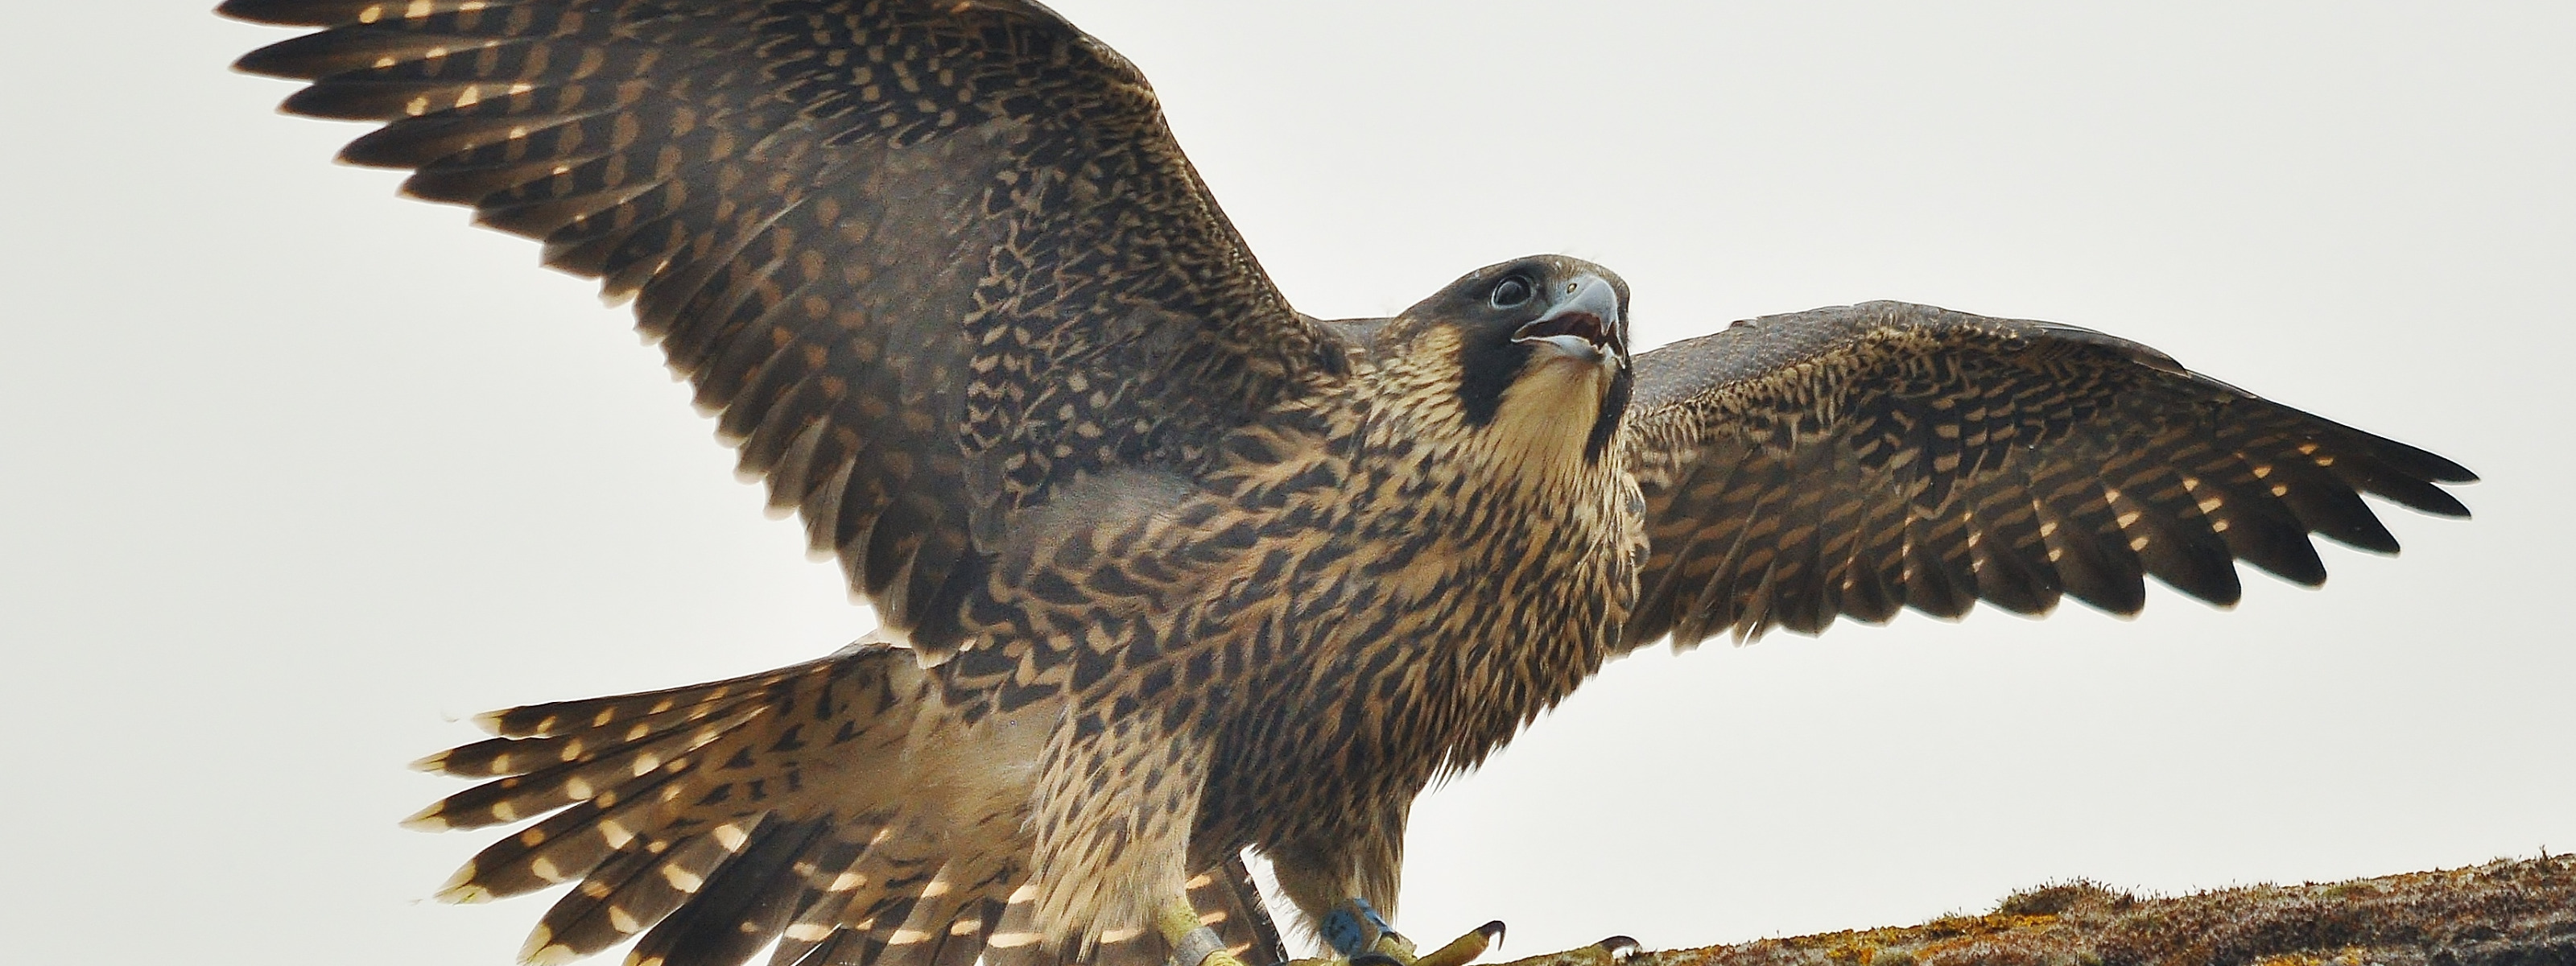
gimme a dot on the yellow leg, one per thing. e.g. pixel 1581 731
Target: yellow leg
pixel 1614 951
pixel 1392 949
pixel 1192 944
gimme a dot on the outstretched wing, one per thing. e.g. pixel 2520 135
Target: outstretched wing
pixel 929 259
pixel 1856 460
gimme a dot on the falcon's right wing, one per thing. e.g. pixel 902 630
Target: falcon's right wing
pixel 1852 461
pixel 930 258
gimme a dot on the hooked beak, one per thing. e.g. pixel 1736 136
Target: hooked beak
pixel 1583 324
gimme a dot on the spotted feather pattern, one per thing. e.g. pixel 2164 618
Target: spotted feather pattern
pixel 781 813
pixel 930 260
pixel 1182 572
pixel 1854 461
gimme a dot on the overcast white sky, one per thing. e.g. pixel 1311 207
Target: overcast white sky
pixel 298 473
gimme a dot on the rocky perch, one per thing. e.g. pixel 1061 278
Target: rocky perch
pixel 2505 913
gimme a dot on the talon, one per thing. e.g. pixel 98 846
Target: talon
pixel 1614 951
pixel 1465 949
pixel 1355 929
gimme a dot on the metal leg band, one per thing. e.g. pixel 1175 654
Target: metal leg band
pixel 1196 946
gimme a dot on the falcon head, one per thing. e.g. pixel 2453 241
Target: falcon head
pixel 1539 347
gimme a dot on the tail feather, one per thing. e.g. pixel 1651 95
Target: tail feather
pixel 597 714
pixel 742 905
pixel 716 818
pixel 495 756
pixel 622 897
pixel 908 930
pixel 879 902
pixel 1229 902
pixel 838 949
pixel 589 773
pixel 1015 940
pixel 953 897
pixel 1225 896
pixel 564 927
pixel 687 815
pixel 885 883
pixel 731 751
pixel 566 846
pixel 965 936
pixel 1135 946
pixel 830 875
pixel 522 755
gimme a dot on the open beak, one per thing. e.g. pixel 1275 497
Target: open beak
pixel 1583 324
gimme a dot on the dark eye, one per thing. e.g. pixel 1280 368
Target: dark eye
pixel 1512 292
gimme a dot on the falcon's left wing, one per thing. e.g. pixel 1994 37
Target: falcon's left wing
pixel 1855 460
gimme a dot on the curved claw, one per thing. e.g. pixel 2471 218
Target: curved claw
pixel 1465 949
pixel 1355 929
pixel 1613 951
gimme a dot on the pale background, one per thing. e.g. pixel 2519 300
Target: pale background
pixel 298 473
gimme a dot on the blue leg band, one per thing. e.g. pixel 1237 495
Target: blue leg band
pixel 1352 927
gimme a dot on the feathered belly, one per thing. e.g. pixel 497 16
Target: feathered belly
pixel 1389 666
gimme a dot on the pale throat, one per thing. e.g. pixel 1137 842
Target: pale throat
pixel 1545 418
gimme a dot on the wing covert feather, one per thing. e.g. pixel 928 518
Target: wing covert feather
pixel 928 260
pixel 1854 460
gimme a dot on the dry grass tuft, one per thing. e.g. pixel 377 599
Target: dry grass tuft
pixel 2504 913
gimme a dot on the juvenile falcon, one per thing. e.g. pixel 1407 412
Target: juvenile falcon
pixel 1169 570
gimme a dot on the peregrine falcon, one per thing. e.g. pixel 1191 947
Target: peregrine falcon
pixel 1170 571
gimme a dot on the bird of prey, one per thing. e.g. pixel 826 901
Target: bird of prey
pixel 1168 570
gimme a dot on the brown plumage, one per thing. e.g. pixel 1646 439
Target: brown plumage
pixel 1853 461
pixel 1169 570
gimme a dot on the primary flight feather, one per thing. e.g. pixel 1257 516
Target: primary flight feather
pixel 1169 570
